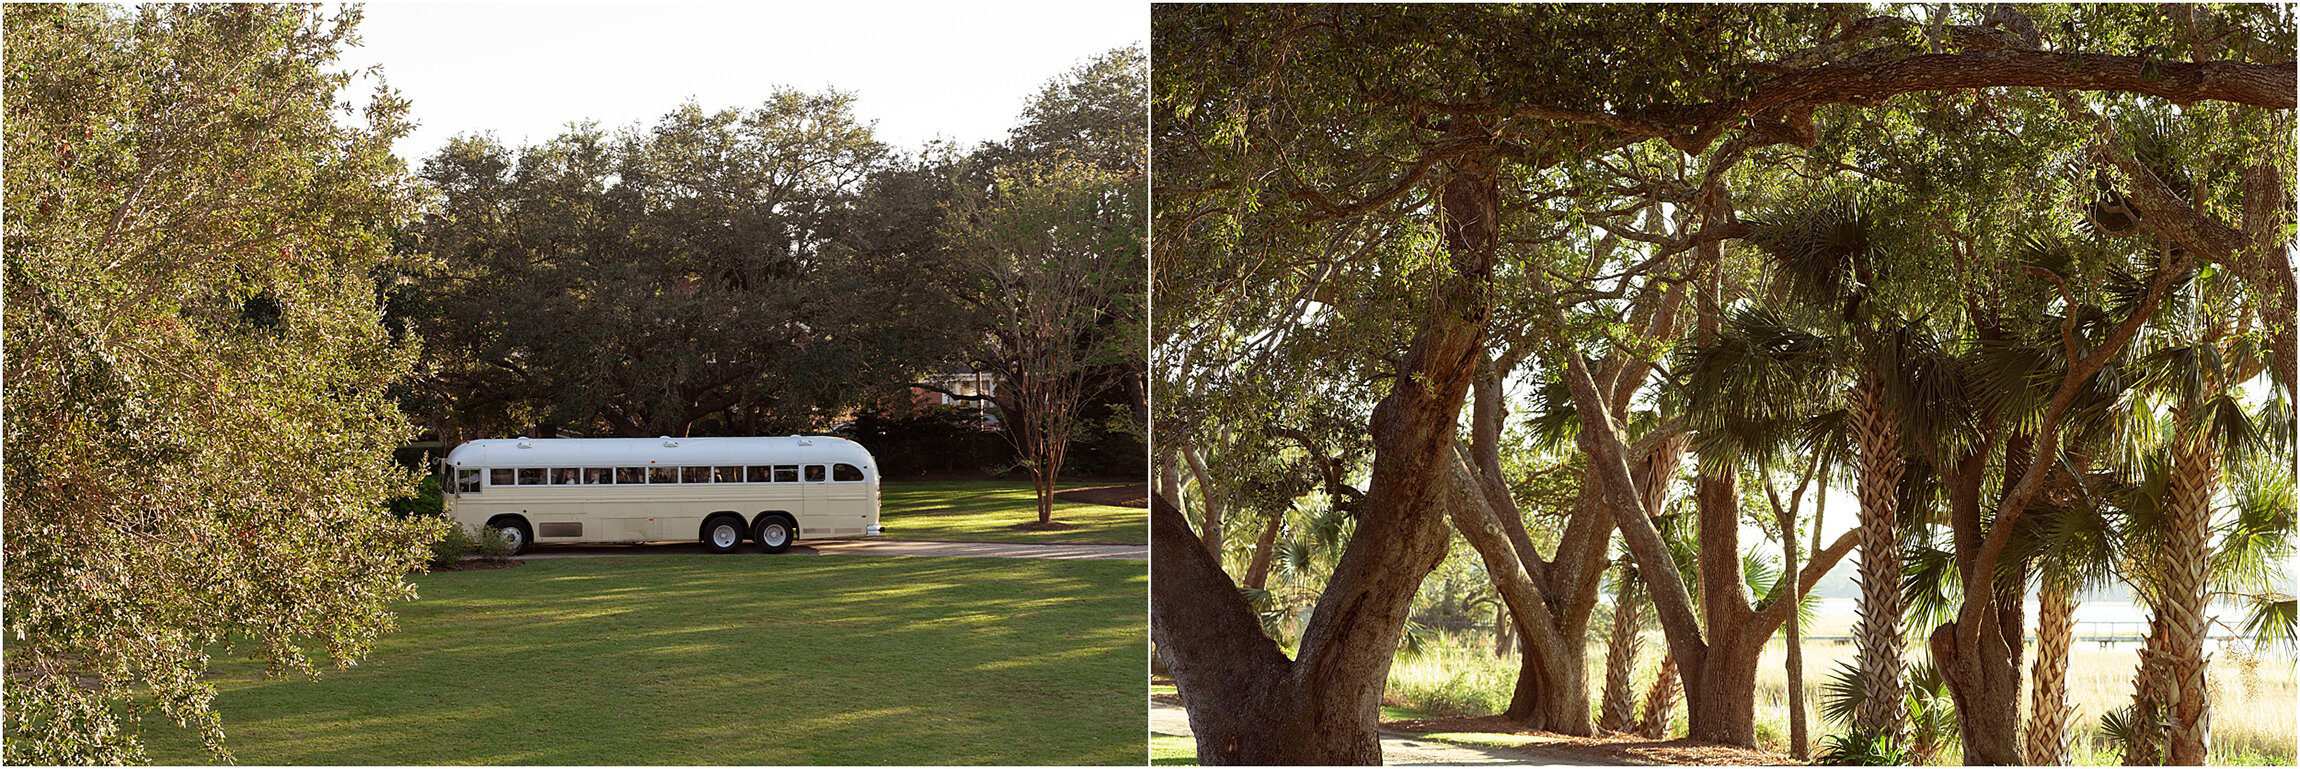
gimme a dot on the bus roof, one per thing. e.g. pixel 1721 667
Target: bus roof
pixel 614 452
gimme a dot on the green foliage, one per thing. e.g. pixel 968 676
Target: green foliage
pixel 199 438
pixel 687 279
pixel 1854 748
pixel 458 542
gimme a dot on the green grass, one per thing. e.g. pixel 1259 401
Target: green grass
pixel 712 660
pixel 986 511
pixel 1169 750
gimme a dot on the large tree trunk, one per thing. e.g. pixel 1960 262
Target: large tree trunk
pixel 1247 703
pixel 1878 631
pixel 2048 708
pixel 1621 656
pixel 2187 574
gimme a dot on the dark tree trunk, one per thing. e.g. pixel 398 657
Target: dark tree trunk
pixel 1249 704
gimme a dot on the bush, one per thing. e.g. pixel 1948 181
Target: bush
pixel 425 501
pixel 484 542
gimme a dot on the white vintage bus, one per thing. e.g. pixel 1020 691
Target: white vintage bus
pixel 717 490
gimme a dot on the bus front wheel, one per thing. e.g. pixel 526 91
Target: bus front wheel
pixel 775 533
pixel 722 534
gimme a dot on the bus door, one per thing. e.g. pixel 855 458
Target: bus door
pixel 851 499
pixel 814 482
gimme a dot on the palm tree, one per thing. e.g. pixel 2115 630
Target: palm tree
pixel 1830 260
pixel 1621 649
pixel 2198 374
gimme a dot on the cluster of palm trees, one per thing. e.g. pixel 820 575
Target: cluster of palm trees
pixel 2129 433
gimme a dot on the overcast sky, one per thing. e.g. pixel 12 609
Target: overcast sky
pixel 958 71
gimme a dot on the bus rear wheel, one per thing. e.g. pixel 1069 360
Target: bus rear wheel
pixel 723 534
pixel 513 529
pixel 775 533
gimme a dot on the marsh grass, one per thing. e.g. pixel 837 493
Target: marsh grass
pixel 2253 720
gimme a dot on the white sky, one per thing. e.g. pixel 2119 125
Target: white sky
pixel 956 71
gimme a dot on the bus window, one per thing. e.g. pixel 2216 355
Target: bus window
pixel 562 476
pixel 598 475
pixel 500 476
pixel 846 472
pixel 630 475
pixel 662 475
pixel 530 476
pixel 814 473
pixel 761 474
pixel 466 480
pixel 696 475
pixel 727 474
pixel 786 473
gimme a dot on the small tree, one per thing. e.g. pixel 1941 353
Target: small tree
pixel 1046 264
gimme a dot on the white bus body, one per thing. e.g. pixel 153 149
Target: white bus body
pixel 718 490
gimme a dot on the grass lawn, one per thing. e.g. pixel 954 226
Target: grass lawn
pixel 715 660
pixel 986 511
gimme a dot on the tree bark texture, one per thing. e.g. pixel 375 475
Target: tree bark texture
pixel 1621 657
pixel 2049 710
pixel 1878 629
pixel 2186 572
pixel 2151 697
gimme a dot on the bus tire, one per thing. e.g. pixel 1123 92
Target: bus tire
pixel 515 531
pixel 775 532
pixel 723 533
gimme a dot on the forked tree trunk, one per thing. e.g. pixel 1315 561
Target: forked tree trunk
pixel 1621 657
pixel 1878 631
pixel 2049 711
pixel 2187 577
pixel 1248 703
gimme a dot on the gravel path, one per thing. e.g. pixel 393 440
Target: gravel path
pixel 861 547
pixel 1401 749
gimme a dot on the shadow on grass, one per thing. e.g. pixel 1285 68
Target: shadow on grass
pixel 703 660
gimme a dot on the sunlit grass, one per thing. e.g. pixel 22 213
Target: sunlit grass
pixel 986 511
pixel 1170 750
pixel 703 660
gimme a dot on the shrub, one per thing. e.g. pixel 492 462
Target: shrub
pixel 484 543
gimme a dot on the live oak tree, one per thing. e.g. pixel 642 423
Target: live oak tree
pixel 1317 146
pixel 714 273
pixel 199 438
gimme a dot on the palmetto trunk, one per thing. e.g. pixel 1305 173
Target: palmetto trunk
pixel 2186 573
pixel 2049 710
pixel 1878 632
pixel 1621 659
pixel 2151 696
pixel 1660 699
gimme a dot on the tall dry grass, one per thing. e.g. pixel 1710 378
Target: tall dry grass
pixel 2253 698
